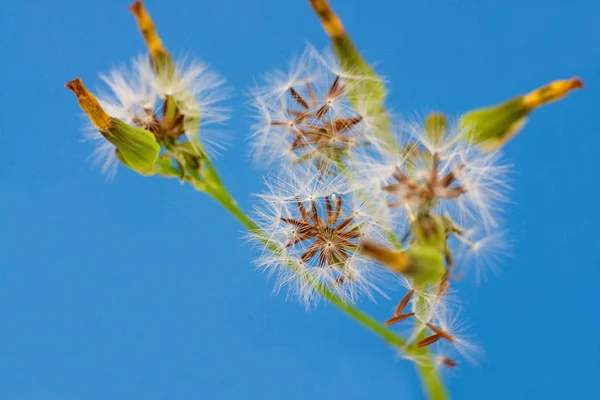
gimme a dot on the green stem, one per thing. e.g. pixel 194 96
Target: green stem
pixel 431 382
pixel 430 379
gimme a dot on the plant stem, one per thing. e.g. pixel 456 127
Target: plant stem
pixel 431 382
pixel 430 379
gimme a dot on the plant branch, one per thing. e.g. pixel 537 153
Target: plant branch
pixel 430 379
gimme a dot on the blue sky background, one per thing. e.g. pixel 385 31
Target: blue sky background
pixel 141 288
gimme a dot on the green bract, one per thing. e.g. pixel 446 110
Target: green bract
pixel 493 126
pixel 136 148
pixel 366 91
pixel 427 265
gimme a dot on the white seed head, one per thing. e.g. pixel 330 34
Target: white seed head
pixel 305 116
pixel 132 97
pixel 450 176
pixel 316 226
pixel 136 95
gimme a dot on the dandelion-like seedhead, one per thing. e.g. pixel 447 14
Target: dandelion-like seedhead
pixel 444 173
pixel 316 231
pixel 171 103
pixel 305 116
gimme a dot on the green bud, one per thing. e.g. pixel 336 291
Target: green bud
pixel 136 148
pixel 492 127
pixel 436 127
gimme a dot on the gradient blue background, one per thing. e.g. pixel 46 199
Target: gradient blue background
pixel 141 288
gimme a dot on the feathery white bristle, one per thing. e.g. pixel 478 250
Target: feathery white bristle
pixel 480 252
pixel 351 278
pixel 104 155
pixel 131 92
pixel 319 92
pixel 137 94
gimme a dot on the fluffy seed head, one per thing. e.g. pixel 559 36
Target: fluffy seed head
pixel 140 97
pixel 317 234
pixel 443 172
pixel 305 116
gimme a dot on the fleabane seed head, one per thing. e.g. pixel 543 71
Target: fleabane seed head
pixel 312 238
pixel 438 171
pixel 304 116
pixel 140 96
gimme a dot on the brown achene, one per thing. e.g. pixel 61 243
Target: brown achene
pixel 333 237
pixel 408 190
pixel 314 134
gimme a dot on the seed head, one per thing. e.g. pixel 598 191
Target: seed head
pixel 439 172
pixel 317 236
pixel 307 117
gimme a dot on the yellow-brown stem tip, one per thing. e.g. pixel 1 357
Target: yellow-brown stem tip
pixel 576 83
pixel 137 8
pixel 551 92
pixel 147 28
pixel 331 23
pixel 89 104
pixel 75 86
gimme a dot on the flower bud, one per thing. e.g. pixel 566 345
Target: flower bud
pixel 492 127
pixel 436 127
pixel 136 148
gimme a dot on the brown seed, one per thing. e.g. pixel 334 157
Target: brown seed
pixel 398 318
pixel 322 111
pixel 333 90
pixel 429 340
pixel 343 124
pixel 448 362
pixel 311 94
pixel 444 287
pixel 440 332
pixel 299 99
pixel 402 305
